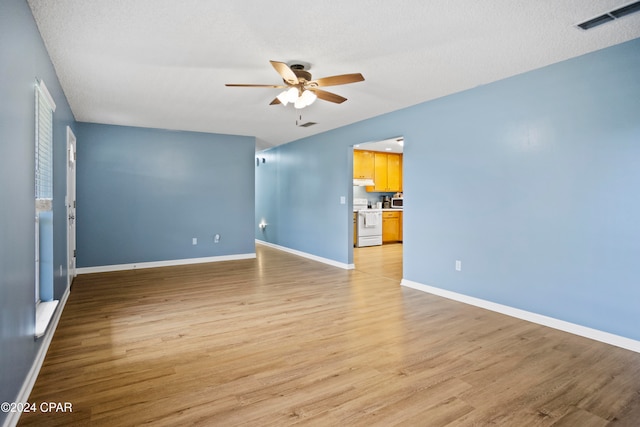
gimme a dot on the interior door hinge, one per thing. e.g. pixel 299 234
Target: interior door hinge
pixel 74 253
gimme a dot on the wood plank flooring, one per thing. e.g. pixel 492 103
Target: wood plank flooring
pixel 282 340
pixel 383 261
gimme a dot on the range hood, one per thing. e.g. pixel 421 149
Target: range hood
pixel 362 182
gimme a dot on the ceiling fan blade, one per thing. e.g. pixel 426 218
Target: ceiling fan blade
pixel 328 96
pixel 287 73
pixel 252 85
pixel 275 101
pixel 342 79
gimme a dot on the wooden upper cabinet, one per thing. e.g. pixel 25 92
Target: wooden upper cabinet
pixel 388 173
pixel 380 176
pixel 363 164
pixel 394 172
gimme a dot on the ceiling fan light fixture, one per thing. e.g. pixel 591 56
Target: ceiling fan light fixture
pixel 308 97
pixel 283 98
pixel 299 103
pixel 292 94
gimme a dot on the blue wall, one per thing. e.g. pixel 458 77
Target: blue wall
pixel 23 58
pixel 531 182
pixel 298 194
pixel 143 194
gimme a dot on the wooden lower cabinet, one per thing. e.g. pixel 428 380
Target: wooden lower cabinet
pixel 355 229
pixel 391 227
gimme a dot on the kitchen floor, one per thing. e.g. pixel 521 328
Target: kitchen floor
pixel 384 260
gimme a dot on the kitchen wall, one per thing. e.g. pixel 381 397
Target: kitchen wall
pixel 143 194
pixel 23 59
pixel 530 181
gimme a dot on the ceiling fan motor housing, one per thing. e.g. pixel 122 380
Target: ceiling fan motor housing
pixel 299 71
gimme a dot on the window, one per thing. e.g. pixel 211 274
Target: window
pixel 45 305
pixel 44 143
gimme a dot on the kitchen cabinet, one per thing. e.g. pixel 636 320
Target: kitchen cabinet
pixel 363 164
pixel 355 228
pixel 391 227
pixel 387 173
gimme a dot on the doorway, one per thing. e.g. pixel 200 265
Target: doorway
pixel 377 181
pixel 70 201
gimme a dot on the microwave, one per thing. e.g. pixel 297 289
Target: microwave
pixel 396 202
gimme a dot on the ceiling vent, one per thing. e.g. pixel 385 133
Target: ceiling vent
pixel 611 15
pixel 306 125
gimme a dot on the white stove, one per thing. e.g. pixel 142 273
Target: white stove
pixel 360 204
pixel 368 224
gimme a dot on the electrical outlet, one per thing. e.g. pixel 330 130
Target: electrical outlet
pixel 216 238
pixel 458 265
pixel 194 241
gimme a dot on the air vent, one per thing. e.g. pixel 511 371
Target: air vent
pixel 596 21
pixel 610 16
pixel 626 10
pixel 306 125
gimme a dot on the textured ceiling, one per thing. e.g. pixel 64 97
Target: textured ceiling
pixel 164 63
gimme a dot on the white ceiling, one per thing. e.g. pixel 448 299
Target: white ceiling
pixel 164 63
pixel 391 145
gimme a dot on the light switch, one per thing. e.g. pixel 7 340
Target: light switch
pixel 343 200
pixel 194 241
pixel 458 265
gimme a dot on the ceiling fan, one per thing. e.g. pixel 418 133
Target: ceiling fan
pixel 300 89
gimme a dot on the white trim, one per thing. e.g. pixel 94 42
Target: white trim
pixel 154 264
pixel 71 143
pixel 307 255
pixel 572 328
pixel 44 314
pixel 30 379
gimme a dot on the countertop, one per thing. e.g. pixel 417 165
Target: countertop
pixel 383 210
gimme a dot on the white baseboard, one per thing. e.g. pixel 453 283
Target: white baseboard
pixel 309 256
pixel 32 375
pixel 169 263
pixel 572 328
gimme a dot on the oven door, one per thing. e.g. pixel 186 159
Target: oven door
pixel 369 228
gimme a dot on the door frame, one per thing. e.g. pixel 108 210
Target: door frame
pixel 70 201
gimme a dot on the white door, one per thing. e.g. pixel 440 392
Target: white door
pixel 71 206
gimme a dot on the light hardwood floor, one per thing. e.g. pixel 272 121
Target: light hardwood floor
pixel 282 340
pixel 383 261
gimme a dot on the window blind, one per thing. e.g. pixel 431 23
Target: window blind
pixel 44 147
